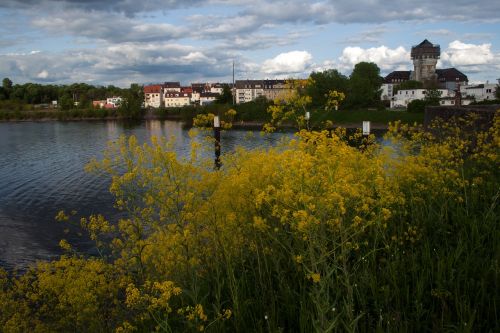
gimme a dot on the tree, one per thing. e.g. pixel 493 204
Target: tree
pixel 66 102
pixel 132 99
pixel 497 91
pixel 226 97
pixel 7 87
pixel 334 98
pixel 432 97
pixel 290 107
pixel 364 85
pixel 321 83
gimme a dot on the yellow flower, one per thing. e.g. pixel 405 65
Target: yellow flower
pixel 315 277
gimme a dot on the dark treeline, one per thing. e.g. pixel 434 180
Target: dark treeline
pixel 66 95
pixel 76 96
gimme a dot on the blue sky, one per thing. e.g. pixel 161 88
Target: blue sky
pixel 124 41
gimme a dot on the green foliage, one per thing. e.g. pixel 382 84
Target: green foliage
pixel 290 108
pixel 321 83
pixel 364 85
pixel 65 103
pixel 417 106
pixel 132 99
pixel 357 116
pixel 432 97
pixel 226 97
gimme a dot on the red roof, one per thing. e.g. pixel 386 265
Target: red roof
pixel 153 89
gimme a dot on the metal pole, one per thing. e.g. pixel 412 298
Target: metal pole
pixel 217 142
pixel 233 88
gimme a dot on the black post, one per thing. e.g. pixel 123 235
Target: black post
pixel 217 142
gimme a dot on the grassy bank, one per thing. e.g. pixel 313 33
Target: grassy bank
pixel 376 116
pixel 314 236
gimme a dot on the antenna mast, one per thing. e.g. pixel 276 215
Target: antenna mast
pixel 233 90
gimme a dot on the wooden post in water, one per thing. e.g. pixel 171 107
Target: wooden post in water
pixel 217 141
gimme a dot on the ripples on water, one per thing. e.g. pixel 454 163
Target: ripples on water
pixel 41 173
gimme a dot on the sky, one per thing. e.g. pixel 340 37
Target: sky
pixel 120 42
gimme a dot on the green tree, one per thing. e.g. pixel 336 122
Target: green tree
pixel 226 97
pixel 321 83
pixel 432 97
pixel 66 102
pixel 7 87
pixel 497 91
pixel 131 105
pixel 7 83
pixel 364 85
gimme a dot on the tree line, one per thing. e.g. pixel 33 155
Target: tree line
pixel 18 97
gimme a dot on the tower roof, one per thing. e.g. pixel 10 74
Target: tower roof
pixel 425 49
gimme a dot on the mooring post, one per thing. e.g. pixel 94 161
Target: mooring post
pixel 217 141
pixel 366 128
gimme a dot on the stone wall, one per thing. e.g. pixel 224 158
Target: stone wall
pixel 485 114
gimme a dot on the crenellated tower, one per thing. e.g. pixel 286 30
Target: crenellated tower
pixel 425 56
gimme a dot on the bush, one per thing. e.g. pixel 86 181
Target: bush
pixel 417 106
pixel 312 236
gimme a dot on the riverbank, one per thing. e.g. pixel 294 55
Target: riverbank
pixel 342 119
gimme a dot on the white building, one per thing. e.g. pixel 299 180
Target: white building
pixel 387 91
pixel 216 88
pixel 208 98
pixel 176 99
pixel 248 90
pixel 153 96
pixel 115 101
pixel 479 92
pixel 404 97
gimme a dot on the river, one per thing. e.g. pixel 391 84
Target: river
pixel 41 173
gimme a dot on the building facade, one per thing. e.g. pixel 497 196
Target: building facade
pixel 153 96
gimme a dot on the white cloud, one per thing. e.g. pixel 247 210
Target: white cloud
pixel 461 54
pixel 293 62
pixel 387 59
pixel 43 74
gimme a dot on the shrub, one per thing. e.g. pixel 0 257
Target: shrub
pixel 311 236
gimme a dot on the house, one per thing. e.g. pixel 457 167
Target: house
pixel 216 88
pixel 405 96
pixel 172 86
pixel 99 104
pixel 479 92
pixel 208 98
pixel 176 99
pixel 115 101
pixel 248 90
pixel 153 96
pixel 275 89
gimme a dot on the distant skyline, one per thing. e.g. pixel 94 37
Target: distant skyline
pixel 127 41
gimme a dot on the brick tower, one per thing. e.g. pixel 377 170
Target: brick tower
pixel 425 56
